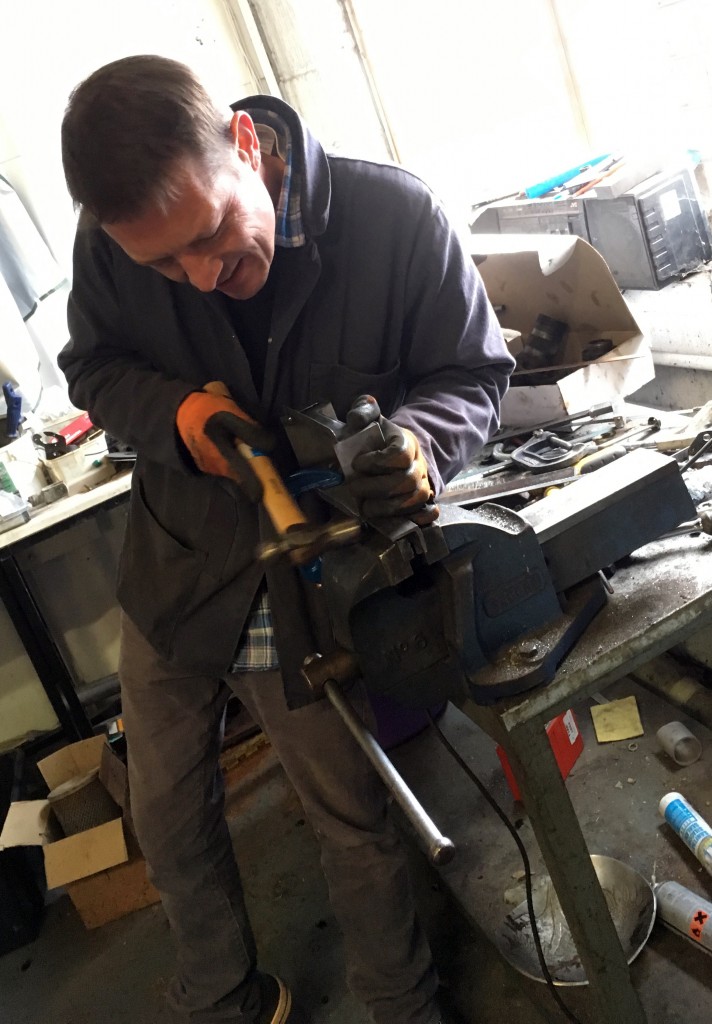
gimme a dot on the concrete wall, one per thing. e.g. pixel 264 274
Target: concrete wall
pixel 46 48
pixel 677 321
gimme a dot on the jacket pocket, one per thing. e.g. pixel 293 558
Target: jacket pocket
pixel 158 575
pixel 340 385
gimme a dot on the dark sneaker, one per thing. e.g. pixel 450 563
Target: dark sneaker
pixel 277 1006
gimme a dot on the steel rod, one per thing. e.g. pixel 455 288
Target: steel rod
pixel 439 848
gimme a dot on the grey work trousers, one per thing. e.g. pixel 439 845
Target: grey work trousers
pixel 174 725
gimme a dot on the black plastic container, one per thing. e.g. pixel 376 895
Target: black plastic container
pixel 21 902
pixel 21 892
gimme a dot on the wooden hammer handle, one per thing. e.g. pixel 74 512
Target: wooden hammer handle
pixel 278 502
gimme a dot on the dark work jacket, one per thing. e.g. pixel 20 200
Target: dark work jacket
pixel 382 299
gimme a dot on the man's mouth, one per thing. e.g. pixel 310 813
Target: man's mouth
pixel 228 277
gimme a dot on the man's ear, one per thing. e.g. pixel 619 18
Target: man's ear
pixel 247 144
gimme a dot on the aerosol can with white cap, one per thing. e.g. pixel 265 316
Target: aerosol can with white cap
pixel 694 831
pixel 686 913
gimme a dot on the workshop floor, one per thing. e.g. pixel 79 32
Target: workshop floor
pixel 117 973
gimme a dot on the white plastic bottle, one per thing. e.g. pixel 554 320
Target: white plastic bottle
pixel 685 912
pixel 694 831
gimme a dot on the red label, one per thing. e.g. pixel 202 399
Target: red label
pixel 697 924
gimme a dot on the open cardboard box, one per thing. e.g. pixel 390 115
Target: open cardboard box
pixel 563 277
pixel 102 868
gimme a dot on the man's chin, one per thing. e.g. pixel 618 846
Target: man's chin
pixel 243 283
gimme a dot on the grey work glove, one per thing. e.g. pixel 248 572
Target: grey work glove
pixel 392 481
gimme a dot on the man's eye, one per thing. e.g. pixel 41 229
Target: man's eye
pixel 205 242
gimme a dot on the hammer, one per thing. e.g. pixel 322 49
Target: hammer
pixel 296 537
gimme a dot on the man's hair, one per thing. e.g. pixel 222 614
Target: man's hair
pixel 126 127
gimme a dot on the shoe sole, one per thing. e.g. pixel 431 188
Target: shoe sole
pixel 284 1004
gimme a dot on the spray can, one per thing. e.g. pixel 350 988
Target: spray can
pixel 694 831
pixel 685 912
pixel 13 401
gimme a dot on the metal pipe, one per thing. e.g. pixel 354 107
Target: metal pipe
pixel 99 690
pixel 683 360
pixel 668 678
pixel 439 848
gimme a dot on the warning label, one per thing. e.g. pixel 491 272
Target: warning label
pixel 697 924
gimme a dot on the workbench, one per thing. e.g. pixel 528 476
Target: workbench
pixel 50 529
pixel 661 595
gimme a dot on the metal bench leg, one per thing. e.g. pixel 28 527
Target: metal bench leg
pixel 568 862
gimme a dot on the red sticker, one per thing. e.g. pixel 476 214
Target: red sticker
pixel 697 924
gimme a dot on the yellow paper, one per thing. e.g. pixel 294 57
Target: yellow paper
pixel 617 720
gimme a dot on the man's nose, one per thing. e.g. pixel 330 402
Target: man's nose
pixel 202 271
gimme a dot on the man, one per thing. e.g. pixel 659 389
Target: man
pixel 233 249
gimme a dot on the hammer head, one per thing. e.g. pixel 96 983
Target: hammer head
pixel 307 541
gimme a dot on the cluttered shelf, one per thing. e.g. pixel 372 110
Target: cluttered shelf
pixel 647 220
pixel 57 567
pixel 521 464
pixel 47 517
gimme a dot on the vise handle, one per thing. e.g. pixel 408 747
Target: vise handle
pixel 439 848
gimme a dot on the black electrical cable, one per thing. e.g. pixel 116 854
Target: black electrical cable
pixel 525 861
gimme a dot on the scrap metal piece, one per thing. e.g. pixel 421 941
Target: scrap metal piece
pixel 699 447
pixel 312 433
pixel 470 490
pixel 370 439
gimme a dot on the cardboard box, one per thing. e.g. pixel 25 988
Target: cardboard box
pixel 566 742
pixel 96 865
pixel 109 895
pixel 564 277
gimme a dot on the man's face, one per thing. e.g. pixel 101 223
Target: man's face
pixel 217 234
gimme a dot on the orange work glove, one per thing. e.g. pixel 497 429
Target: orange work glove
pixel 220 438
pixel 394 480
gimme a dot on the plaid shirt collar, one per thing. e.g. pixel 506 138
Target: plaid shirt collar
pixel 276 138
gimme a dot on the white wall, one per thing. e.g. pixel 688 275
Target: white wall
pixel 643 69
pixel 478 94
pixel 48 46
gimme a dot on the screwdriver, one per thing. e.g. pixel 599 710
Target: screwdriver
pixel 590 463
pixel 604 456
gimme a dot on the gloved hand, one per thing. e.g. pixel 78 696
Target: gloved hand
pixel 394 480
pixel 220 436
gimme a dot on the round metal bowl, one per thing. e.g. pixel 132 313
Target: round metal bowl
pixel 631 902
